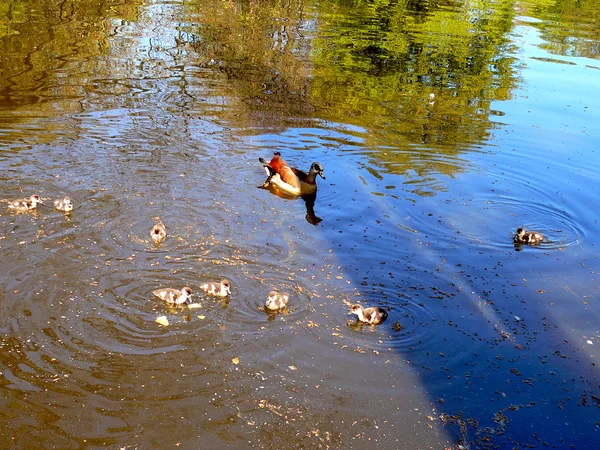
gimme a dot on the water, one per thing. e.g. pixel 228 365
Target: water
pixel 161 111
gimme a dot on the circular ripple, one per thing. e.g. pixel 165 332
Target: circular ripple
pixel 558 226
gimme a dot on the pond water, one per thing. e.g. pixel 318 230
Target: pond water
pixel 442 128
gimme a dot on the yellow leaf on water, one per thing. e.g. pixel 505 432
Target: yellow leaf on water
pixel 162 320
pixel 201 317
pixel 292 367
pixel 195 305
pixel 235 360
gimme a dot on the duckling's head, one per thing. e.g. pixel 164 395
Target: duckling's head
pixel 317 169
pixel 36 199
pixel 187 292
pixel 356 309
pixel 158 232
pixel 520 234
pixel 226 285
pixel 68 204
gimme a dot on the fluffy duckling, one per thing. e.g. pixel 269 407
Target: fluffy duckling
pixel 276 301
pixel 64 204
pixel 220 289
pixel 25 204
pixel 527 237
pixel 372 315
pixel 158 232
pixel 291 180
pixel 174 296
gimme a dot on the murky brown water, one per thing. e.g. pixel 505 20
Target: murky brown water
pixel 161 110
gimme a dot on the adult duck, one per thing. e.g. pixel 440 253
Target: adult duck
pixel 291 180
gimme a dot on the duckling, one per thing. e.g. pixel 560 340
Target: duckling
pixel 220 289
pixel 64 204
pixel 527 237
pixel 291 180
pixel 276 301
pixel 25 204
pixel 373 315
pixel 174 296
pixel 158 232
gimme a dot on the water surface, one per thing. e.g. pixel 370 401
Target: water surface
pixel 442 128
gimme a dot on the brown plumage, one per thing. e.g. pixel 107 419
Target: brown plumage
pixel 276 301
pixel 373 315
pixel 25 204
pixel 528 237
pixel 291 180
pixel 220 289
pixel 158 232
pixel 64 204
pixel 174 296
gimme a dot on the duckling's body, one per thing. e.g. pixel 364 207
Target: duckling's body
pixel 25 204
pixel 276 301
pixel 372 315
pixel 291 180
pixel 220 289
pixel 528 237
pixel 174 296
pixel 64 204
pixel 158 232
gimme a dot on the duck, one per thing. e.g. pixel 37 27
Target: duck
pixel 158 232
pixel 527 237
pixel 291 180
pixel 220 289
pixel 25 204
pixel 276 301
pixel 174 296
pixel 372 315
pixel 64 204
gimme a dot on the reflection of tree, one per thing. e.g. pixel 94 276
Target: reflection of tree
pixel 39 44
pixel 376 64
pixel 578 33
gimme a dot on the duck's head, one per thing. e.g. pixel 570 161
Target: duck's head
pixel 520 232
pixel 187 292
pixel 226 286
pixel 68 204
pixel 317 169
pixel 36 199
pixel 356 309
pixel 158 232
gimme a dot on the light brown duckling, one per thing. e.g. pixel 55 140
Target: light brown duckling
pixel 174 296
pixel 64 204
pixel 25 204
pixel 220 289
pixel 158 232
pixel 372 315
pixel 277 301
pixel 527 237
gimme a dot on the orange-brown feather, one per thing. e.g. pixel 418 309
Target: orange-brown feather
pixel 286 173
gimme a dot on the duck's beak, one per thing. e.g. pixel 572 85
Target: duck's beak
pixel 322 174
